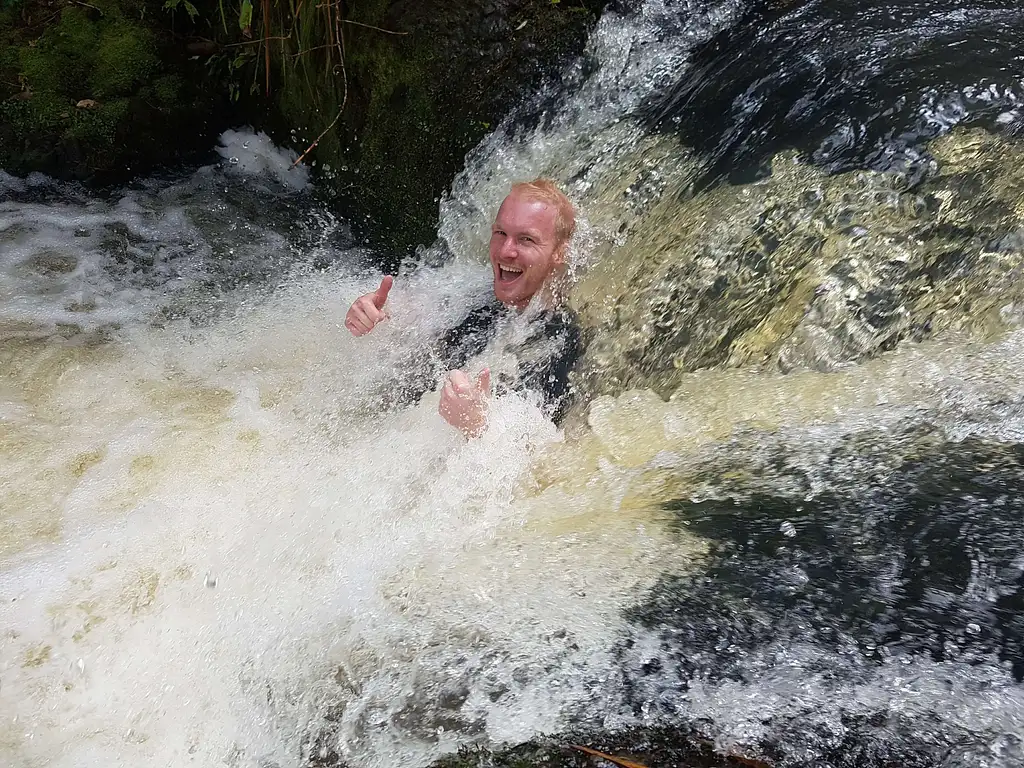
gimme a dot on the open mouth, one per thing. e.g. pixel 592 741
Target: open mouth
pixel 508 274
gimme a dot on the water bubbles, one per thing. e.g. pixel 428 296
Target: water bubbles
pixel 233 160
pixel 973 629
pixel 787 529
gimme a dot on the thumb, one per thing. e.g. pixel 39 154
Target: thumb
pixel 483 381
pixel 381 294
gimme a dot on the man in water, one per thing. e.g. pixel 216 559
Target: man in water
pixel 528 249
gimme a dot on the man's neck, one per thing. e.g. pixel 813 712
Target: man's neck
pixel 546 298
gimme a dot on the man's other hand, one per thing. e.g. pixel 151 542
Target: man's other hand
pixel 368 310
pixel 464 402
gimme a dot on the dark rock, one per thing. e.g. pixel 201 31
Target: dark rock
pixel 418 101
pixel 99 92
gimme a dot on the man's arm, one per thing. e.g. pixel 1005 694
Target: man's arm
pixel 463 402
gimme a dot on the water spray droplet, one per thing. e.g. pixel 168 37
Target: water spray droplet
pixel 973 629
pixel 788 529
pixel 233 161
pixel 210 580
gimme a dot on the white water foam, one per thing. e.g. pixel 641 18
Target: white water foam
pixel 590 140
pixel 212 538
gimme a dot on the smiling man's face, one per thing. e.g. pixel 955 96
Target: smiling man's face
pixel 524 249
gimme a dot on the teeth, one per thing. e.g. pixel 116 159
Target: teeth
pixel 510 269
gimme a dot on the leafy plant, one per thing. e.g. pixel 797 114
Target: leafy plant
pixel 173 5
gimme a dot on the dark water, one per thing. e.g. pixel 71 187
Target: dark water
pixel 926 562
pixel 906 548
pixel 851 83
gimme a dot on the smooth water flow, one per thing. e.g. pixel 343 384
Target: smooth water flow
pixel 784 516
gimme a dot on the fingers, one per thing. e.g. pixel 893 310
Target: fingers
pixel 381 294
pixel 363 315
pixel 463 403
pixel 483 381
pixel 460 384
pixel 448 393
pixel 368 310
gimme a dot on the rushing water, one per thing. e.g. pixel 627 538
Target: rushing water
pixel 785 516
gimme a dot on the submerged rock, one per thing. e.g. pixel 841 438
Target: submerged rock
pixel 805 270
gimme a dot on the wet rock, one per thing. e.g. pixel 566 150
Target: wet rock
pixel 97 95
pixel 418 100
pixel 51 263
pixel 646 746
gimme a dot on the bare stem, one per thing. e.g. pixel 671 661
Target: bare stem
pixel 344 99
pixel 370 26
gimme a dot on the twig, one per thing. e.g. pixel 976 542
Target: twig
pixel 257 41
pixel 310 50
pixel 266 44
pixel 44 22
pixel 370 26
pixel 359 23
pixel 337 117
pixel 87 5
pixel 620 761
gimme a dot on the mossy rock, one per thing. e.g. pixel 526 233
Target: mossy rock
pixel 98 92
pixel 423 82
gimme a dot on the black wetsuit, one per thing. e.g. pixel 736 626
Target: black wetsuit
pixel 546 355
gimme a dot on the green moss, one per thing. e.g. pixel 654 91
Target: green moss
pixel 115 54
pixel 167 90
pixel 75 35
pixel 99 126
pixel 124 60
pixel 58 61
pixel 45 112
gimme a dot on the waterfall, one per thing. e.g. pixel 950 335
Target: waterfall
pixel 782 519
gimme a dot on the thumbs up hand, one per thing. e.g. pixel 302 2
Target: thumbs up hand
pixel 464 402
pixel 368 310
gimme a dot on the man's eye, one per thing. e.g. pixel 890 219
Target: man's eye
pixel 526 239
pixel 497 232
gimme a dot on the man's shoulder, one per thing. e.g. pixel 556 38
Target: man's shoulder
pixel 562 323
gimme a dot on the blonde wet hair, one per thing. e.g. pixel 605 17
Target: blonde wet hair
pixel 546 191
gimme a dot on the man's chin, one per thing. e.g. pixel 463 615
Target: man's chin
pixel 506 294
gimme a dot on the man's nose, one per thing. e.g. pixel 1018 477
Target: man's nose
pixel 508 248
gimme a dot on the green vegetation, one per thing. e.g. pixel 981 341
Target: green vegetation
pixel 392 99
pixel 91 90
pixel 391 95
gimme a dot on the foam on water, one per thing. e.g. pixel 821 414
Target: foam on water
pixel 256 157
pixel 212 538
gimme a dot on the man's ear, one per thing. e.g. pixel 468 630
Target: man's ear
pixel 561 254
